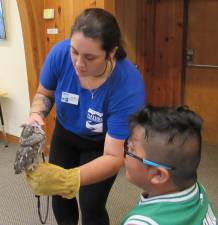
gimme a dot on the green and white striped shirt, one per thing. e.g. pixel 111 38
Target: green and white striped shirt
pixel 188 207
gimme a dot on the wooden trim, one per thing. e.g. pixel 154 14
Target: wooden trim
pixel 185 46
pixel 10 138
pixel 33 34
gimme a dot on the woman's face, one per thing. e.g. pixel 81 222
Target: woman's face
pixel 88 58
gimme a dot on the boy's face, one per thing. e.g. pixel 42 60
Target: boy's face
pixel 135 170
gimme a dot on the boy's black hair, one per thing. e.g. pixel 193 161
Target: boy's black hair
pixel 180 132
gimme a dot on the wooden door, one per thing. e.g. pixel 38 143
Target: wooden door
pixel 159 55
pixel 201 85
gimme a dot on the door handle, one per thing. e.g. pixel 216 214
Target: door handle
pixel 190 58
pixel 202 65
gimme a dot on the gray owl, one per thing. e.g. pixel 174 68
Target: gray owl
pixel 29 153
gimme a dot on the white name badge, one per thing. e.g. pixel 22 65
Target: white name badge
pixel 70 98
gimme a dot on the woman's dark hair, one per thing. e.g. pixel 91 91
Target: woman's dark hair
pixel 99 24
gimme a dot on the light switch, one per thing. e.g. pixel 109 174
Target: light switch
pixel 48 14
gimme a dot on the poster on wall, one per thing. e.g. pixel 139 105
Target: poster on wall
pixel 2 25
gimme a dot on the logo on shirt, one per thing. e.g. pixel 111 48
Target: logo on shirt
pixel 94 121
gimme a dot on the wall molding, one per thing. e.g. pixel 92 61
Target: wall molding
pixel 11 138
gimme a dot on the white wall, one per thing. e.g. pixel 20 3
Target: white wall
pixel 13 74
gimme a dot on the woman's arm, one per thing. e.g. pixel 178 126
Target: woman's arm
pixel 105 166
pixel 41 105
pixel 49 179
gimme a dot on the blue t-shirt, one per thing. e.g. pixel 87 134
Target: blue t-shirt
pixel 113 102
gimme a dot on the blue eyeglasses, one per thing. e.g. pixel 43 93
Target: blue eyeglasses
pixel 144 161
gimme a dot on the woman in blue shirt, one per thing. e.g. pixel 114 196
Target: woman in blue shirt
pixel 95 89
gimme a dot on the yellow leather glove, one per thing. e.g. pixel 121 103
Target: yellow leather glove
pixel 49 179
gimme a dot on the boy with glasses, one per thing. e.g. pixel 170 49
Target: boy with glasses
pixel 162 155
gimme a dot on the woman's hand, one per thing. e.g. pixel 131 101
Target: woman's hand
pixel 35 118
pixel 49 179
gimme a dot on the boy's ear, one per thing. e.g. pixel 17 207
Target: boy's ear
pixel 159 175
